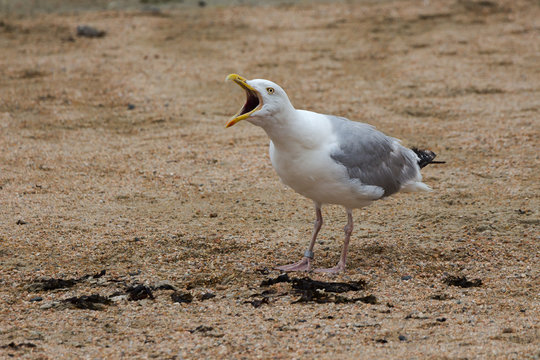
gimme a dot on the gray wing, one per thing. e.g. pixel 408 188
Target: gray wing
pixel 372 157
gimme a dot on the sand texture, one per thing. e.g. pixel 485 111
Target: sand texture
pixel 134 225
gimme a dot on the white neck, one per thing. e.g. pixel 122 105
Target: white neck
pixel 291 129
pixel 281 127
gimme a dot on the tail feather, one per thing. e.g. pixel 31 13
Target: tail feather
pixel 426 157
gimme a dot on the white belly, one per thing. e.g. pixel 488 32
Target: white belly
pixel 315 175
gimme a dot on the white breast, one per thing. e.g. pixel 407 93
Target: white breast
pixel 306 166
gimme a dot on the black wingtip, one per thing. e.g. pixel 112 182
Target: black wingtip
pixel 426 157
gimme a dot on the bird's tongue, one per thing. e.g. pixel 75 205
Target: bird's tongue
pixel 252 101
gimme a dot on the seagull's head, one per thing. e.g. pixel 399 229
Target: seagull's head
pixel 264 100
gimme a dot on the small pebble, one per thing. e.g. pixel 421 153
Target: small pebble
pixel 130 106
pixel 406 277
pixel 49 305
pixel 89 31
pixel 402 338
pixel 37 298
pixel 119 298
pixel 207 296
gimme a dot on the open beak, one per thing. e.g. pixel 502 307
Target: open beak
pixel 253 100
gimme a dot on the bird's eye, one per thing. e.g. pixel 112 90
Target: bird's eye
pixel 270 90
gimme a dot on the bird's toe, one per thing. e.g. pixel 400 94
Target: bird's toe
pixel 333 270
pixel 302 265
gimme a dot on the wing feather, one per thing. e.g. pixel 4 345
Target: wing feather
pixel 372 157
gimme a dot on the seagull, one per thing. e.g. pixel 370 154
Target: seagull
pixel 329 159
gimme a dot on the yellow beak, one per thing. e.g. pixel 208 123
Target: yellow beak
pixel 253 102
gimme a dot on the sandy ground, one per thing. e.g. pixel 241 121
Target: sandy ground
pixel 114 157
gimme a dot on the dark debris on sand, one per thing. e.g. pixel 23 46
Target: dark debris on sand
pixel 206 331
pixel 58 283
pixel 461 281
pixel 265 298
pixel 164 286
pixel 90 302
pixel 139 292
pixel 320 291
pixel 258 302
pixel 51 284
pixel 309 284
pixel 95 276
pixel 13 346
pixel 202 329
pixel 133 292
pixel 440 297
pixel 321 297
pixel 280 279
pixel 181 297
pixel 89 32
pixel 207 296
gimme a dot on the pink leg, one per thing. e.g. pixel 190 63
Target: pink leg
pixel 343 259
pixel 305 263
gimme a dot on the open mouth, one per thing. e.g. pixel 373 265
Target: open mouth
pixel 253 100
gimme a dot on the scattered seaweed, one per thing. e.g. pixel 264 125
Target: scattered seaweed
pixel 258 302
pixel 51 284
pixel 202 329
pixel 206 331
pixel 12 345
pixel 461 281
pixel 321 297
pixel 58 283
pixel 310 284
pixel 319 291
pixel 163 286
pixel 280 279
pixel 181 297
pixel 334 287
pixel 95 276
pixel 139 292
pixel 90 302
pixel 89 32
